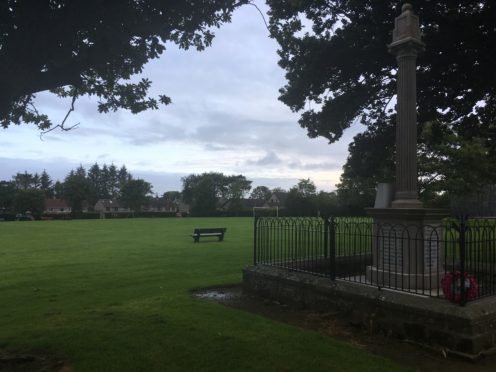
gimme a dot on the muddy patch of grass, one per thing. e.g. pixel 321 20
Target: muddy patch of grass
pixel 11 361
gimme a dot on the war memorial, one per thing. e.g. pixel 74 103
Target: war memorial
pixel 414 272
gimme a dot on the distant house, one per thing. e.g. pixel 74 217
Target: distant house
pixel 160 205
pixel 57 206
pixel 182 207
pixel 110 206
pixel 277 199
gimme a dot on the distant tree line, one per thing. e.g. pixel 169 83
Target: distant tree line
pixel 214 193
pixel 28 192
pixel 304 200
pixel 205 194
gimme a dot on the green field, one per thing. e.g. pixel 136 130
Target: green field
pixel 115 295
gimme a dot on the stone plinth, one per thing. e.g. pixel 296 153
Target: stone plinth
pixel 470 329
pixel 407 248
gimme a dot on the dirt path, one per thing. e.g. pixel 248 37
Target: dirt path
pixel 337 326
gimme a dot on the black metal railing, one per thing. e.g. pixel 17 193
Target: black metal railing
pixel 455 259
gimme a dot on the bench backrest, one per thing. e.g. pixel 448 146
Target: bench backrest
pixel 210 230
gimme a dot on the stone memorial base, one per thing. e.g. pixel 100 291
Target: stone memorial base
pixel 393 279
pixel 434 322
pixel 407 249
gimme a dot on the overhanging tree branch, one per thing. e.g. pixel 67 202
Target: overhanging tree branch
pixel 45 47
pixel 62 126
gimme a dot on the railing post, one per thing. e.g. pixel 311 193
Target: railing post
pixel 255 240
pixel 326 237
pixel 332 258
pixel 463 229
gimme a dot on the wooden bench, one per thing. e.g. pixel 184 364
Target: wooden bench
pixel 218 232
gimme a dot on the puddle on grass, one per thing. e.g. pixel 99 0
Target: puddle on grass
pixel 23 362
pixel 214 295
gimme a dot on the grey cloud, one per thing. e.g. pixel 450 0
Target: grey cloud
pixel 172 133
pixel 212 147
pixel 53 138
pixel 56 168
pixel 215 131
pixel 161 181
pixel 89 131
pixel 152 128
pixel 228 130
pixel 270 158
pixel 285 183
pixel 223 131
pixel 314 166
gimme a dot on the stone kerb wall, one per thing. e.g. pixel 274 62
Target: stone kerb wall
pixel 436 322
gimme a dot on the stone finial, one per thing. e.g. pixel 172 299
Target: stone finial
pixel 406 27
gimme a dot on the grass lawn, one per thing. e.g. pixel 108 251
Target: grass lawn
pixel 114 295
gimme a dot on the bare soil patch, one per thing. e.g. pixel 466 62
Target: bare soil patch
pixel 339 326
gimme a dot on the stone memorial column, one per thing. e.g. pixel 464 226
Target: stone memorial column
pixel 407 250
pixel 405 46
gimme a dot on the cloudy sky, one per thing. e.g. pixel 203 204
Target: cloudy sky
pixel 224 117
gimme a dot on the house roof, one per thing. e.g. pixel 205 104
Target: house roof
pixel 55 203
pixel 280 196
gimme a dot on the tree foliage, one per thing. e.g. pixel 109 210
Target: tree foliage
pixel 135 193
pixel 76 189
pixel 93 47
pixel 304 200
pixel 261 193
pixel 306 188
pixel 301 199
pixel 106 182
pixel 46 185
pixel 25 181
pixel 7 196
pixel 99 182
pixel 339 72
pixel 28 181
pixel 203 191
pixel 236 189
pixel 58 189
pixel 29 200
